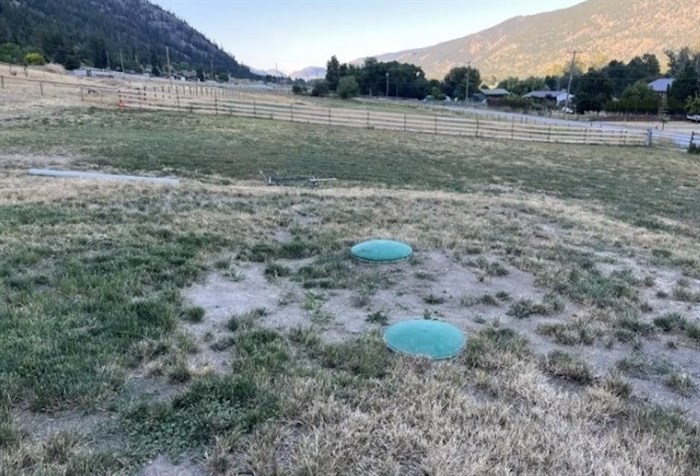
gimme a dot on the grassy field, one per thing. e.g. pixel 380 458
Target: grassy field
pixel 219 326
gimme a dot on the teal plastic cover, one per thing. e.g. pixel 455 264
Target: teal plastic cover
pixel 424 337
pixel 381 250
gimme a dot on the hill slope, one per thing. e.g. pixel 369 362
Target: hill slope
pixel 102 32
pixel 540 44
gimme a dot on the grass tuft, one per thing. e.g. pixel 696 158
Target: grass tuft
pixel 562 364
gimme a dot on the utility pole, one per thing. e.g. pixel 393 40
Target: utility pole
pixel 466 86
pixel 571 77
pixel 386 95
pixel 170 69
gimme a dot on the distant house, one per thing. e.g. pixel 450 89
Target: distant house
pixel 492 97
pixel 556 97
pixel 495 93
pixel 661 85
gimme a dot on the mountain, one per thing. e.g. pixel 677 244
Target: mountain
pixel 309 73
pixel 104 33
pixel 601 30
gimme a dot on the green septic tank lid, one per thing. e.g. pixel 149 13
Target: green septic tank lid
pixel 381 251
pixel 426 338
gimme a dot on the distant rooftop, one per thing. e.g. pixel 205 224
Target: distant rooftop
pixel 661 85
pixel 545 94
pixel 495 92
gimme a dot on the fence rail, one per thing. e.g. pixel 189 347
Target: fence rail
pixel 196 99
pixel 438 124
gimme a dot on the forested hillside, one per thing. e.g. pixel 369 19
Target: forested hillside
pixel 107 33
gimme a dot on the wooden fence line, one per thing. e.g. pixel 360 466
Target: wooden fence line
pixel 221 101
pixel 381 120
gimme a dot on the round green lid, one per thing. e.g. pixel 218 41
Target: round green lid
pixel 425 338
pixel 381 251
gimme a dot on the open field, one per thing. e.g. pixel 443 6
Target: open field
pixel 220 326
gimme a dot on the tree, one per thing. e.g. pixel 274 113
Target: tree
pixel 333 73
pixel 98 49
pixel 72 62
pixel 10 53
pixel 692 107
pixel 594 91
pixel 638 98
pixel 684 86
pixel 200 75
pixel 299 87
pixel 320 89
pixel 222 77
pixel 454 83
pixel 348 87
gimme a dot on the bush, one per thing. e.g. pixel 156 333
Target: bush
pixel 321 88
pixel 348 87
pixel 222 77
pixel 517 102
pixel 34 59
pixel 72 62
pixel 299 87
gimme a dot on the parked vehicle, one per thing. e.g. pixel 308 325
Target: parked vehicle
pixel 694 117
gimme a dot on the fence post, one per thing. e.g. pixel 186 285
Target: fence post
pixel 404 122
pixel 291 111
pixel 216 106
pixel 650 137
pixel 329 116
pixel 477 128
pixel 41 87
pixel 367 119
pixel 549 133
pixel 254 110
pixel 435 130
pixel 2 82
pixel 692 139
pixel 82 94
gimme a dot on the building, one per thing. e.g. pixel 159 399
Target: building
pixel 661 85
pixel 558 98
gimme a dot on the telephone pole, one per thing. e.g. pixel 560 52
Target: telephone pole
pixel 571 77
pixel 466 86
pixel 170 69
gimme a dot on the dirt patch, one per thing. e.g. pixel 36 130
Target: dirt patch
pixel 470 292
pixel 163 466
pixel 432 284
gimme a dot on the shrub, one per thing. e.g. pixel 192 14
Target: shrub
pixel 34 58
pixel 348 87
pixel 321 88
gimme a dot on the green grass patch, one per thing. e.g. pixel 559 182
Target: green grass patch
pixel 564 365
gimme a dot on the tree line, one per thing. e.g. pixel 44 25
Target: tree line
pixel 391 79
pixel 616 87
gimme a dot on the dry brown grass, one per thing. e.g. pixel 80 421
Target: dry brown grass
pixel 448 420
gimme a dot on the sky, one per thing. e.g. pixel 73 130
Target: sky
pixel 293 34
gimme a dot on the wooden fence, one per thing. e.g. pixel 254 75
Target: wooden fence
pixel 196 99
pixel 221 103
